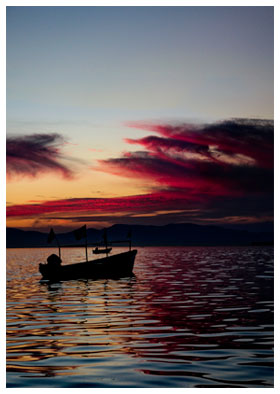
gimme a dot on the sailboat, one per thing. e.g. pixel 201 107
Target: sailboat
pixel 114 266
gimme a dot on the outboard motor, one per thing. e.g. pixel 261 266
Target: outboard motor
pixel 54 261
pixel 51 269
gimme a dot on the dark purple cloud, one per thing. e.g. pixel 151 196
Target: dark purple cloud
pixel 223 169
pixel 218 173
pixel 138 204
pixel 252 138
pixel 231 158
pixel 33 154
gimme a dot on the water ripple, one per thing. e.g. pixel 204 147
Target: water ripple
pixel 190 317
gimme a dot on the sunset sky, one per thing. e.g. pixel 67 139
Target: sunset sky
pixel 139 115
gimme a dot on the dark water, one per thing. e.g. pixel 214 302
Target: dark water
pixel 191 317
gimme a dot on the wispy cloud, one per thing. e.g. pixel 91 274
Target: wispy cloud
pixel 228 158
pixel 247 137
pixel 207 173
pixel 140 203
pixel 34 154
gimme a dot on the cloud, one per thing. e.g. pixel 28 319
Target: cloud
pixel 246 137
pixel 34 154
pixel 198 173
pixel 231 158
pixel 224 168
pixel 139 203
pixel 157 208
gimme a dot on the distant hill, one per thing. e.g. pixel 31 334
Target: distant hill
pixel 184 234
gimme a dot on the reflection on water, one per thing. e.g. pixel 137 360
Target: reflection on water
pixel 190 317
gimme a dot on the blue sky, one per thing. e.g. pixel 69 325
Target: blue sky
pixel 104 64
pixel 80 74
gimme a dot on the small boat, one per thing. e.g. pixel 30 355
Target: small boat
pixel 114 266
pixel 100 251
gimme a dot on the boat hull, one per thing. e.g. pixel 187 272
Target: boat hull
pixel 116 266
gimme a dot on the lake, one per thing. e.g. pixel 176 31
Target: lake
pixel 190 317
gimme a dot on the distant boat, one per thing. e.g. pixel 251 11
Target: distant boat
pixel 114 266
pixel 100 251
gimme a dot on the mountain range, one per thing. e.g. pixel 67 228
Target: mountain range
pixel 184 234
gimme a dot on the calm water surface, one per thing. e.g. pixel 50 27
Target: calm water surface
pixel 191 317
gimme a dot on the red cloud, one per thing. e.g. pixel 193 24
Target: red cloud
pixel 225 159
pixel 248 137
pixel 220 170
pixel 207 163
pixel 139 203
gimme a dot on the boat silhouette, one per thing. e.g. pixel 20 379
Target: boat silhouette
pixel 114 266
pixel 100 251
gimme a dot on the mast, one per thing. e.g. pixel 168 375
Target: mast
pixel 86 248
pixel 105 241
pixel 51 237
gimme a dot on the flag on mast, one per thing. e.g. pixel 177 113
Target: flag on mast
pixel 51 236
pixel 82 233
